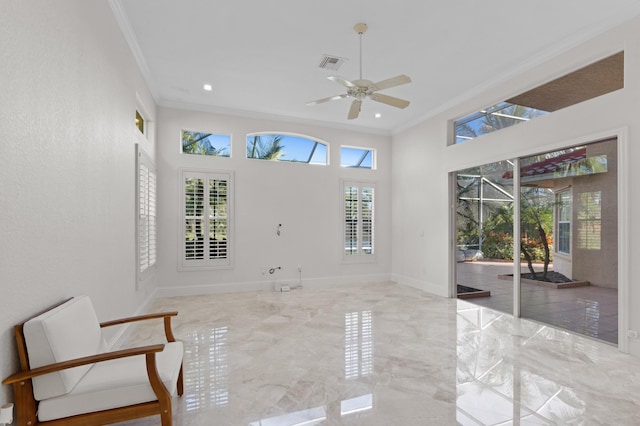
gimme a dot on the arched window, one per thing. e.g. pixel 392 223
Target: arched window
pixel 286 147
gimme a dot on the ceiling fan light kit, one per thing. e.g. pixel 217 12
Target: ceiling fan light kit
pixel 361 89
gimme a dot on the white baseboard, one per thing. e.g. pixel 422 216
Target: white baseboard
pixel 239 287
pixel 438 290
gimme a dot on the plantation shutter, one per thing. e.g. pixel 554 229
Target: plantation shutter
pixel 194 218
pixel 350 220
pixel 358 219
pixel 218 220
pixel 146 215
pixel 206 220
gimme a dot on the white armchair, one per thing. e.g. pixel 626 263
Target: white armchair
pixel 68 378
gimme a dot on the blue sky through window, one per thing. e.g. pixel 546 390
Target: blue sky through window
pixel 493 118
pixel 206 144
pixel 295 148
pixel 356 157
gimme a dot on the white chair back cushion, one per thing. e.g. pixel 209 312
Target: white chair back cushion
pixel 68 331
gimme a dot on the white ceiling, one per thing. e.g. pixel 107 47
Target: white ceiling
pixel 261 57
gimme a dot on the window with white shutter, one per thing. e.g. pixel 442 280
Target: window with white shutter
pixel 206 224
pixel 358 208
pixel 146 223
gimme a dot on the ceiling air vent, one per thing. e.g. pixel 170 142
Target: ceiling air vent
pixel 332 63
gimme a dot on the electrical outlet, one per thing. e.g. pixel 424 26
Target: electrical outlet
pixel 633 334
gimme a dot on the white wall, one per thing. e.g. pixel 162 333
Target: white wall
pixel 305 198
pixel 422 161
pixel 68 88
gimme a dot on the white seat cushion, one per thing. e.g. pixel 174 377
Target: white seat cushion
pixel 115 383
pixel 68 331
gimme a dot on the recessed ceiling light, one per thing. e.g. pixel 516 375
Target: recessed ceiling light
pixel 377 115
pixel 207 87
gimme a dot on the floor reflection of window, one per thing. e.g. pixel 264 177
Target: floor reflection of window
pixel 358 344
pixel 591 317
pixel 356 405
pixel 309 417
pixel 206 369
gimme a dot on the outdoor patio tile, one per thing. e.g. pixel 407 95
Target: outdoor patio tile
pixel 589 310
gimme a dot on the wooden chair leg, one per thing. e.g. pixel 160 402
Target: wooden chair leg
pixel 180 383
pixel 166 417
pixel 25 403
pixel 164 398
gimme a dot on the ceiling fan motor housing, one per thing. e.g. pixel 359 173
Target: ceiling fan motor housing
pixel 360 28
pixel 362 89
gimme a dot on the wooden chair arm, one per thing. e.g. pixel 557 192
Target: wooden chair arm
pixel 138 318
pixel 46 369
pixel 167 322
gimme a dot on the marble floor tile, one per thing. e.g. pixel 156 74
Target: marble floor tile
pixel 385 354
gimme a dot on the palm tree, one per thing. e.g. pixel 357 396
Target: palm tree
pixel 266 149
pixel 199 143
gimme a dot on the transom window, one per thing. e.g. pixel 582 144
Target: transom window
pixel 358 158
pixel 200 143
pixel 596 79
pixel 496 117
pixel 286 147
pixel 140 122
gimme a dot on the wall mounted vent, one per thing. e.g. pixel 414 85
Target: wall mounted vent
pixel 332 63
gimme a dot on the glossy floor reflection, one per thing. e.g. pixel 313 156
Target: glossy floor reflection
pixel 386 354
pixel 592 310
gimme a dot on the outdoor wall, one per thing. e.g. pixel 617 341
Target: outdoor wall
pixel 599 266
pixel 67 168
pixel 422 161
pixel 306 199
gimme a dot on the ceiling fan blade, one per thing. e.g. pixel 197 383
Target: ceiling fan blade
pixel 330 98
pixel 389 100
pixel 392 82
pixel 354 111
pixel 340 80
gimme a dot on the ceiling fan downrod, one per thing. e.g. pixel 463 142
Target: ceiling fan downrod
pixel 360 28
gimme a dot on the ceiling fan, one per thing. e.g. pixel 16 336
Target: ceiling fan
pixel 361 89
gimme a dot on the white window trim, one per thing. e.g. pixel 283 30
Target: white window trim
pixel 374 156
pixel 570 221
pixel 141 108
pixel 146 217
pixel 214 133
pixel 205 264
pixel 297 135
pixel 359 257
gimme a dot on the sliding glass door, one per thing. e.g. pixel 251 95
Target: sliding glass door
pixel 484 219
pixel 566 240
pixel 569 227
